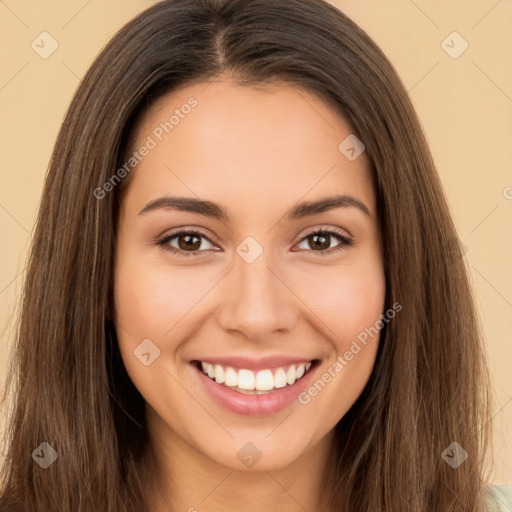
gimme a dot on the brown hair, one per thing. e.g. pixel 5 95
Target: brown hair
pixel 68 384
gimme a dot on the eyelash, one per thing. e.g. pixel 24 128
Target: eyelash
pixel 344 240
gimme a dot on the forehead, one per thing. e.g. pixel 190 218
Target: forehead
pixel 269 143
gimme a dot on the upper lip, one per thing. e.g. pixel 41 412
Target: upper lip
pixel 261 363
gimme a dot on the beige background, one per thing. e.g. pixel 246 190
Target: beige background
pixel 465 105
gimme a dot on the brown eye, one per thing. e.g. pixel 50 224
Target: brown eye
pixel 188 243
pixel 320 241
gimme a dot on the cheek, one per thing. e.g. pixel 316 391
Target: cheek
pixel 347 300
pixel 361 305
pixel 150 300
pixel 350 304
pixel 143 306
pixel 146 307
pixel 155 302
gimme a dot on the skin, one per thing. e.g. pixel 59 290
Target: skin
pixel 257 152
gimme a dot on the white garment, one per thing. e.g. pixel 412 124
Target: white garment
pixel 498 498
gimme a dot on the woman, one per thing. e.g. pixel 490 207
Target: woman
pixel 189 339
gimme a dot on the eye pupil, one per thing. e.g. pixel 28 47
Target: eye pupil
pixel 188 245
pixel 324 245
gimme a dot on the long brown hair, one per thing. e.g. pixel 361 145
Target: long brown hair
pixel 67 384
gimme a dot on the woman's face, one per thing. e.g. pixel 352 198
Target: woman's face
pixel 255 295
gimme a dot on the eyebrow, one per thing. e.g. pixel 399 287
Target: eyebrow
pixel 211 209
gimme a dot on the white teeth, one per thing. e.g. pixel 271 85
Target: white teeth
pixel 231 378
pixel 219 374
pixel 264 380
pixel 280 378
pixel 290 375
pixel 247 380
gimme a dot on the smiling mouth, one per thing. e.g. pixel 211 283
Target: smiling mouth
pixel 260 382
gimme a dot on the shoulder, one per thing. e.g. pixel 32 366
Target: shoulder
pixel 498 498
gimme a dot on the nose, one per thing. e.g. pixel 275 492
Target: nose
pixel 258 303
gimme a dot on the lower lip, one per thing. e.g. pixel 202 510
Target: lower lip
pixel 255 405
